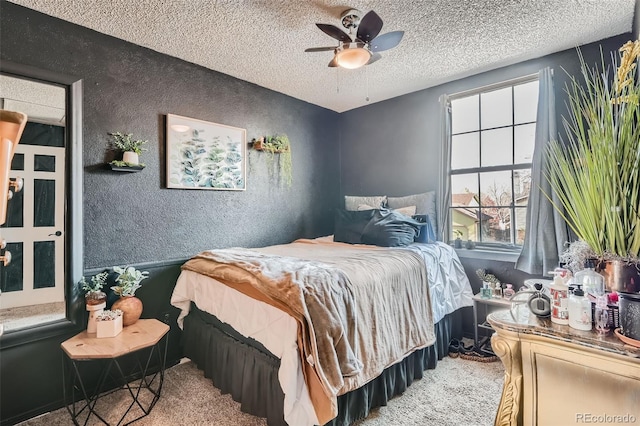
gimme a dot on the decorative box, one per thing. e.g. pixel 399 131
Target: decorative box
pixel 109 326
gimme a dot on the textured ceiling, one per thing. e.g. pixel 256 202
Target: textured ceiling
pixel 263 41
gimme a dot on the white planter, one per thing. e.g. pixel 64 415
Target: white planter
pixel 130 157
pixel 109 328
pixel 94 311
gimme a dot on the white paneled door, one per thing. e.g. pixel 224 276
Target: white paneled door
pixel 35 229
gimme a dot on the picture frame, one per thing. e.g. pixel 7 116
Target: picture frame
pixel 205 155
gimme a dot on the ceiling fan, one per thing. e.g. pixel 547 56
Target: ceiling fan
pixel 362 50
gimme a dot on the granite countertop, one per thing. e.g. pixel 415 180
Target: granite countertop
pixel 520 320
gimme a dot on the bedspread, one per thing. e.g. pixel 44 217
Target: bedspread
pixel 366 307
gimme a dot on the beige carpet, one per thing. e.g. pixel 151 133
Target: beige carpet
pixel 458 392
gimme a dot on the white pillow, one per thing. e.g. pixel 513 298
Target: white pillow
pixel 425 204
pixel 352 202
pixel 407 211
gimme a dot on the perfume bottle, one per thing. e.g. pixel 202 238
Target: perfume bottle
pixel 497 291
pixel 601 318
pixel 485 291
pixel 509 291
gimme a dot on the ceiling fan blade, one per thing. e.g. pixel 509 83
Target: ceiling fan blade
pixel 374 57
pixel 369 28
pixel 335 32
pixel 386 41
pixel 319 49
pixel 333 63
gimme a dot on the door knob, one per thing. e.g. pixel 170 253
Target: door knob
pixel 6 258
pixel 57 234
pixel 17 184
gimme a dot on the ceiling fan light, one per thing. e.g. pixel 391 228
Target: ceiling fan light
pixel 352 58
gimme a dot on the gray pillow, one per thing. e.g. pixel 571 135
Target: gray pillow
pixel 425 204
pixel 352 202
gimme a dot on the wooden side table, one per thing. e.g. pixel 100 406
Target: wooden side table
pixel 86 354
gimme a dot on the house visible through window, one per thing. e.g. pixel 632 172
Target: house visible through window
pixel 493 133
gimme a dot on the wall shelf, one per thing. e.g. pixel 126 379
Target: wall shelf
pixel 129 169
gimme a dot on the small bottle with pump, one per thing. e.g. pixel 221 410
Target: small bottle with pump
pixel 559 300
pixel 579 310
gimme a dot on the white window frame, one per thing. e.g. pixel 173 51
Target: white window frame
pixel 483 245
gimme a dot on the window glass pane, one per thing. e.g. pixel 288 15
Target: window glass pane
pixel 521 186
pixel 18 162
pixel 520 224
pixel 497 147
pixel 464 223
pixel 15 210
pixel 495 108
pixel 44 264
pixel 464 190
pixel 44 210
pixel 525 98
pixel 464 114
pixel 44 163
pixel 525 139
pixel 11 276
pixel 465 151
pixel 495 188
pixel 496 225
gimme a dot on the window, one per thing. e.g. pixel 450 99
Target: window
pixel 492 140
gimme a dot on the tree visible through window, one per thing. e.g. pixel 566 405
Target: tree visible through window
pixel 492 142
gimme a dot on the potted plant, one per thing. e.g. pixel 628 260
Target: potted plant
pixel 130 148
pixel 278 144
pixel 109 323
pixel 595 173
pixel 128 281
pixel 93 290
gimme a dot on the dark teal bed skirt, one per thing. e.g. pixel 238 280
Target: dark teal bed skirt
pixel 245 369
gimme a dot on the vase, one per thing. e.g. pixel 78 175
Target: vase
pixel 621 276
pixel 95 302
pixel 131 308
pixel 630 315
pixel 130 157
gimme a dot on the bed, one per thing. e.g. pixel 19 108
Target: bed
pixel 381 317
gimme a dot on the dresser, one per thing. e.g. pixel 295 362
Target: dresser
pixel 555 375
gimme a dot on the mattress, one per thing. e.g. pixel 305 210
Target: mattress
pixel 277 331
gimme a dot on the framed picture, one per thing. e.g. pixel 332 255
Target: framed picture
pixel 204 155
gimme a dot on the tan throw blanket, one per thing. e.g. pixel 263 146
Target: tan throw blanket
pixel 360 308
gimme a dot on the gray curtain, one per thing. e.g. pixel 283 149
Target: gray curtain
pixel 546 230
pixel 444 186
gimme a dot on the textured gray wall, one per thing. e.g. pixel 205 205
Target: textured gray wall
pixel 132 217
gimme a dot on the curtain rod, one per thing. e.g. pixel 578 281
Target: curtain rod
pixel 492 86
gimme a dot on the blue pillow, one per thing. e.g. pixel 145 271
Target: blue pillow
pixel 349 225
pixel 388 228
pixel 426 233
